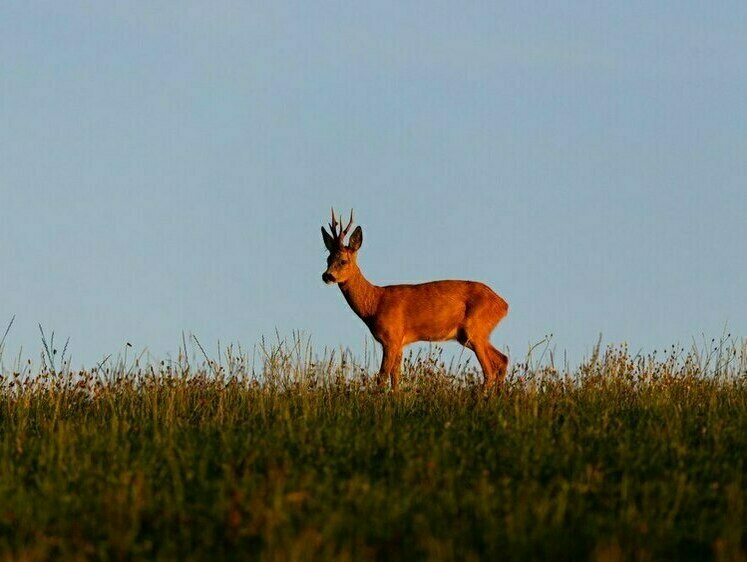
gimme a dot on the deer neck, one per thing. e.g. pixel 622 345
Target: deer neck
pixel 362 295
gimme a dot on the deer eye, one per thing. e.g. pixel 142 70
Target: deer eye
pixel 343 262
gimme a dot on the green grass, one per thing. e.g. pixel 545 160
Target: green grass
pixel 627 458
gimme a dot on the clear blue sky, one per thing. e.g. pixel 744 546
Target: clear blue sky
pixel 166 166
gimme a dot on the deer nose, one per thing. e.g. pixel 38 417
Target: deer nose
pixel 328 277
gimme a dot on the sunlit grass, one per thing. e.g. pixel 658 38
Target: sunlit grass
pixel 292 457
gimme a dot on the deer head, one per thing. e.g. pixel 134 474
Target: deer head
pixel 341 263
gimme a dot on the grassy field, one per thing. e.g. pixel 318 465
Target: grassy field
pixel 624 458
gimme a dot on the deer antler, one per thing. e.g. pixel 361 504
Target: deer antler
pixel 333 224
pixel 344 233
pixel 339 233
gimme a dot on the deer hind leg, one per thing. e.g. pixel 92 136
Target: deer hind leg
pixel 500 363
pixel 482 349
pixel 475 335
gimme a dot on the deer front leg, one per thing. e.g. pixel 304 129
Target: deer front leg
pixel 396 370
pixel 390 361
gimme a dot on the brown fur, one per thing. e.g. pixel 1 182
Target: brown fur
pixel 396 315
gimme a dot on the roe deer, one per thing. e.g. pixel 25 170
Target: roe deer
pixel 397 315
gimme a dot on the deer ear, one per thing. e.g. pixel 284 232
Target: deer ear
pixel 356 239
pixel 328 240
